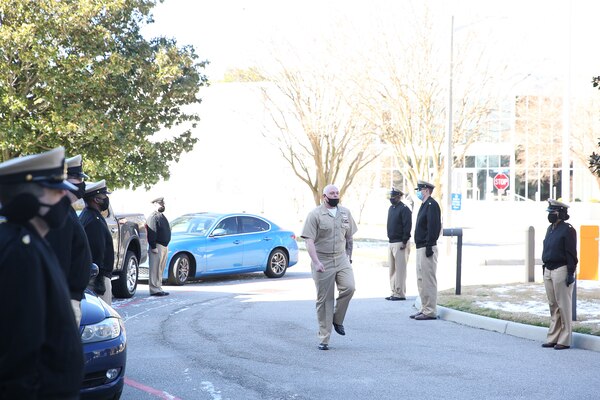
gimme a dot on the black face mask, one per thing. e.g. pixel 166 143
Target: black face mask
pixel 161 209
pixel 394 201
pixel 332 202
pixel 21 209
pixel 103 204
pixel 57 214
pixel 80 191
pixel 552 218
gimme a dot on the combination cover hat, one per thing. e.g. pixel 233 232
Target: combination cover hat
pixel 422 184
pixel 94 188
pixel 158 200
pixel 47 169
pixel 555 205
pixel 395 192
pixel 75 167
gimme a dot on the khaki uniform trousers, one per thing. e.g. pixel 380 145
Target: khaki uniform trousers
pixel 76 305
pixel 156 264
pixel 397 260
pixel 338 270
pixel 107 296
pixel 427 281
pixel 560 299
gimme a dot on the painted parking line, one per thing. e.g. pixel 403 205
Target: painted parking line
pixel 161 394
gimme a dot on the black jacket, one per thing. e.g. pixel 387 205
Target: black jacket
pixel 428 224
pixel 40 348
pixel 159 230
pixel 70 244
pixel 560 247
pixel 100 240
pixel 399 223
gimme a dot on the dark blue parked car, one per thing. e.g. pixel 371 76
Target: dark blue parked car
pixel 104 349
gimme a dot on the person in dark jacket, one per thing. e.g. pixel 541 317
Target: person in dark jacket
pixel 399 225
pixel 427 231
pixel 41 355
pixel 70 243
pixel 559 257
pixel 99 236
pixel 159 236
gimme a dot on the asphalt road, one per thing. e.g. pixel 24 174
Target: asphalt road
pixel 249 337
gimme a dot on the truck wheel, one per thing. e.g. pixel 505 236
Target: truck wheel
pixel 126 284
pixel 277 264
pixel 179 270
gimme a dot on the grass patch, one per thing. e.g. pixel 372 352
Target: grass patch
pixel 524 303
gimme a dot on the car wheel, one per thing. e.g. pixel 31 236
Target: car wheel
pixel 179 270
pixel 126 284
pixel 277 264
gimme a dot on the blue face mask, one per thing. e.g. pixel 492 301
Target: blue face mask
pixel 420 195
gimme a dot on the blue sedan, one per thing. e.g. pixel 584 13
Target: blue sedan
pixel 210 244
pixel 104 349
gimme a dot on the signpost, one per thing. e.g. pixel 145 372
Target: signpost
pixel 501 181
pixel 456 200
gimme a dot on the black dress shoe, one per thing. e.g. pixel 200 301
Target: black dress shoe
pixel 160 294
pixel 561 347
pixel 323 346
pixel 394 298
pixel 415 315
pixel 546 345
pixel 339 329
pixel 424 317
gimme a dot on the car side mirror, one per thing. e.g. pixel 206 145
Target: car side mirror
pixel 219 232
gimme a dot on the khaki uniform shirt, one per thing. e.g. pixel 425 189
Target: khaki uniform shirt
pixel 328 232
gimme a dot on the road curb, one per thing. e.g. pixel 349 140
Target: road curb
pixel 531 332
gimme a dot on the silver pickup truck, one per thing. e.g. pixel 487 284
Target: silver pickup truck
pixel 130 240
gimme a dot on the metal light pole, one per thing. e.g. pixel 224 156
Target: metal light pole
pixel 449 161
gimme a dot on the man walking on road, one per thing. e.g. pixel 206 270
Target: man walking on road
pixel 427 232
pixel 159 236
pixel 328 232
pixel 399 224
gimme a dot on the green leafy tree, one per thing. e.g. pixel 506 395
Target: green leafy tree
pixel 79 73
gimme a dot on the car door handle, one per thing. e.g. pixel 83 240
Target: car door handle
pixel 237 242
pixel 266 239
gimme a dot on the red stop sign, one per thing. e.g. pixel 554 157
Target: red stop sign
pixel 501 181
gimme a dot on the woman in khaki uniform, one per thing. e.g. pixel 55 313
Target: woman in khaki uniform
pixel 328 232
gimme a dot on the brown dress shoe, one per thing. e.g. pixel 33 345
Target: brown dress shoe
pixel 424 317
pixel 561 347
pixel 549 345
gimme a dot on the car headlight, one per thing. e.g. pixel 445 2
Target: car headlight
pixel 107 329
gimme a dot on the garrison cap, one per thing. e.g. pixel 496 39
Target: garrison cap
pixel 47 169
pixel 555 205
pixel 158 200
pixel 94 188
pixel 395 192
pixel 75 167
pixel 422 184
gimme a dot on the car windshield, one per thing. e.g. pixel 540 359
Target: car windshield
pixel 192 224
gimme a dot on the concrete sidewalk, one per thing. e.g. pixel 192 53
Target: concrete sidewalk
pixel 480 249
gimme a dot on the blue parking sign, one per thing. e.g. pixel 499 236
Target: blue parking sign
pixel 456 199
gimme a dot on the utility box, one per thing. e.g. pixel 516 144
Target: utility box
pixel 588 253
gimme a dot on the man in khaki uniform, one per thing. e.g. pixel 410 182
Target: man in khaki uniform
pixel 427 231
pixel 328 232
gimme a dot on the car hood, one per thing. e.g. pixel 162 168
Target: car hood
pixel 94 310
